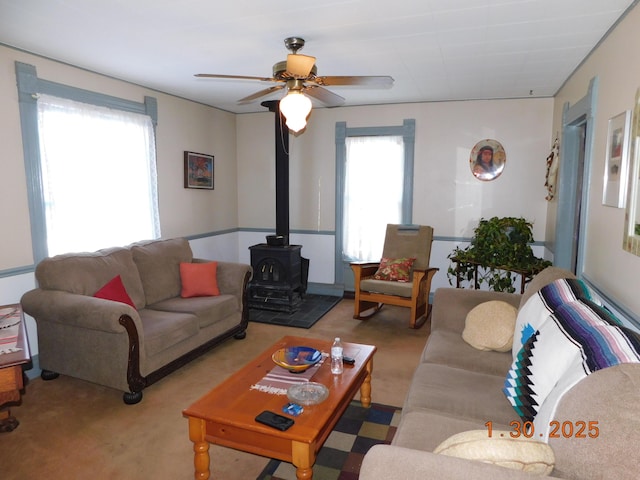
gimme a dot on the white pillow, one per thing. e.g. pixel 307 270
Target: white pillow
pixel 490 326
pixel 500 449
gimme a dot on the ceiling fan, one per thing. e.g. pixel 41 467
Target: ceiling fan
pixel 299 75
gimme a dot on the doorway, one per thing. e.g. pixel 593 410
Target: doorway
pixel 573 184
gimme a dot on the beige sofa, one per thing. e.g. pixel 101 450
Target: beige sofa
pixel 114 344
pixel 458 388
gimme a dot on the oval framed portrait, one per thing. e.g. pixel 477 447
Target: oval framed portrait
pixel 487 160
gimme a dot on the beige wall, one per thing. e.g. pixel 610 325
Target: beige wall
pixel 446 195
pixel 615 65
pixel 182 125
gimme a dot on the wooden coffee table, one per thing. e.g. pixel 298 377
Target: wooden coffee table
pixel 226 415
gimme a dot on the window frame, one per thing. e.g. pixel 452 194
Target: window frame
pixel 408 132
pixel 29 87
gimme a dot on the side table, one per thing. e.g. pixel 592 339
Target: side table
pixel 11 371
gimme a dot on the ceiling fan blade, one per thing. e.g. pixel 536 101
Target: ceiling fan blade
pixel 261 93
pixel 299 66
pixel 235 77
pixel 377 81
pixel 327 97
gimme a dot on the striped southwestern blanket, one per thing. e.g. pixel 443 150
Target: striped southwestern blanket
pixel 540 305
pixel 577 339
pixel 603 341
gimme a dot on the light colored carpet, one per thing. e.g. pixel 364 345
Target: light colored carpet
pixel 71 429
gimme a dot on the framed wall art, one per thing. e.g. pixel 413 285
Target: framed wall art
pixel 198 170
pixel 614 192
pixel 487 160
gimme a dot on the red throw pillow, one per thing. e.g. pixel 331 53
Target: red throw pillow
pixel 114 290
pixel 199 279
pixel 394 269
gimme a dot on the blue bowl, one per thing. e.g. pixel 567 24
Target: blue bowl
pixel 296 359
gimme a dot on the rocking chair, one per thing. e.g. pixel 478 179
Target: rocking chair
pixel 397 279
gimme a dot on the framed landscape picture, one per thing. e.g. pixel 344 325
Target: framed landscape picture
pixel 198 170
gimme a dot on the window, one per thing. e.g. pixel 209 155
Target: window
pixel 98 175
pixel 374 186
pixel 90 166
pixel 374 179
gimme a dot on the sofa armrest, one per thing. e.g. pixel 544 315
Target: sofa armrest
pixel 451 305
pixel 78 310
pixel 232 278
pixel 383 462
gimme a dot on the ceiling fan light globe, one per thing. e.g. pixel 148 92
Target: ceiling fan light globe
pixel 295 107
pixel 296 124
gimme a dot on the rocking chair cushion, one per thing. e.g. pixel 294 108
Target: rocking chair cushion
pixel 399 289
pixel 394 269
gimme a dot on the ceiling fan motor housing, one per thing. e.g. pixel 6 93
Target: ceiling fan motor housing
pixel 294 43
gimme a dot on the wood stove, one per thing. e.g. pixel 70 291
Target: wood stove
pixel 277 277
pixel 279 270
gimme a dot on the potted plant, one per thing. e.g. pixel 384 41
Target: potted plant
pixel 499 250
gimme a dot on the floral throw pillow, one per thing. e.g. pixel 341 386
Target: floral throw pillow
pixel 394 269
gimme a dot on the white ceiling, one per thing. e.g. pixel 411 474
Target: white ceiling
pixel 434 49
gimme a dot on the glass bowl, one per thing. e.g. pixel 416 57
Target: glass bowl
pixel 296 359
pixel 310 393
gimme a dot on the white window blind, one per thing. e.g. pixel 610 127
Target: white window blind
pixel 99 176
pixel 374 179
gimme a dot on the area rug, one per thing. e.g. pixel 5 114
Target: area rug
pixel 341 455
pixel 312 308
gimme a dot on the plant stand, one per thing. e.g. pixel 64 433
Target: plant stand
pixel 525 274
pixel 498 252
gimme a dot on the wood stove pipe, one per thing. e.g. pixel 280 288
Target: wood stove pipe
pixel 282 176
